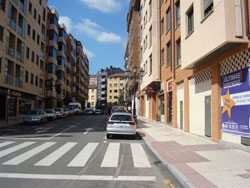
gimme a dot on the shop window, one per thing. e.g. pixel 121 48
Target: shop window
pixel 12 106
pixel 24 106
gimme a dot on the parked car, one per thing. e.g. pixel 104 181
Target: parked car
pixel 88 111
pixel 118 109
pixel 98 111
pixel 51 114
pixel 66 112
pixel 35 116
pixel 121 123
pixel 71 111
pixel 60 113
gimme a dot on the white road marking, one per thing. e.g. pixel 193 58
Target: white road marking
pixel 6 144
pixel 23 157
pixel 139 156
pixel 82 158
pixel 78 177
pixel 111 156
pixel 87 130
pixel 42 129
pixel 62 132
pixel 15 148
pixel 54 156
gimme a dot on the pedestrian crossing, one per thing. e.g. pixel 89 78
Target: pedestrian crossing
pixel 110 157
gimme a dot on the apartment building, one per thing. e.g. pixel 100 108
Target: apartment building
pixel 132 54
pixel 215 45
pixel 92 96
pixel 115 87
pixel 150 56
pixel 22 56
pixel 92 80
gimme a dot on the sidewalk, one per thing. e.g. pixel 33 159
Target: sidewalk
pixel 194 160
pixel 11 122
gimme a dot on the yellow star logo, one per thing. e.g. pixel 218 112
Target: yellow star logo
pixel 228 104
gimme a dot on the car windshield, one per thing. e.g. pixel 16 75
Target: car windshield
pixel 34 112
pixel 58 109
pixel 49 111
pixel 117 108
pixel 74 106
pixel 121 118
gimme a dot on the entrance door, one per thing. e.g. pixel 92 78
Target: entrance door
pixel 181 114
pixel 2 106
pixel 170 107
pixel 208 116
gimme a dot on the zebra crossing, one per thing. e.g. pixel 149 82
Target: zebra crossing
pixel 110 159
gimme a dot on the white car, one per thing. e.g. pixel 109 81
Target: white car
pixel 51 114
pixel 121 123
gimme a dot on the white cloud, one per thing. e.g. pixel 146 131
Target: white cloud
pixel 88 52
pixel 67 22
pixel 106 6
pixel 95 31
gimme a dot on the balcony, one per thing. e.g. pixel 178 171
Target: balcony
pixel 215 33
pixel 60 67
pixel 103 86
pixel 49 94
pixel 8 79
pixel 59 96
pixel 73 89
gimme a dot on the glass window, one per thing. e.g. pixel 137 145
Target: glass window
pixel 162 56
pixel 168 19
pixel 208 6
pixel 12 106
pixel 28 30
pixel 61 61
pixel 52 35
pixel 62 33
pixel 24 106
pixel 1 33
pixel 121 118
pixel 178 44
pixel 32 78
pixel 26 76
pixel 2 4
pixel 151 64
pixel 162 26
pixel 52 52
pixel 27 53
pixel 51 68
pixel 168 53
pixel 190 16
pixel 150 36
pixel 178 16
pixel 53 19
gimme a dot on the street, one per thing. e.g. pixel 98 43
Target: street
pixel 74 152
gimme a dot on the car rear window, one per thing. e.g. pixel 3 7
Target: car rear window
pixel 49 111
pixel 121 118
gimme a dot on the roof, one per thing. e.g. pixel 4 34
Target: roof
pixel 117 75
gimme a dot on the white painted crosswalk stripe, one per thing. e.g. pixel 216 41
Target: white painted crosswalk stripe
pixel 15 148
pixel 6 143
pixel 23 157
pixel 139 156
pixel 111 156
pixel 53 157
pixel 82 158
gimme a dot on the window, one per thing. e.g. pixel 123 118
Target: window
pixel 33 56
pixel 52 52
pixel 27 53
pixel 1 33
pixel 146 70
pixel 32 78
pixel 30 7
pixel 178 16
pixel 162 26
pixel 115 85
pixel 168 53
pixel 26 76
pixel 40 2
pixel 37 59
pixel 190 16
pixel 150 36
pixel 110 97
pixel 115 91
pixel 208 7
pixel 0 64
pixel 28 30
pixel 53 35
pixel 110 91
pixel 168 19
pixel 2 4
pixel 39 19
pixel 36 80
pixel 178 46
pixel 34 35
pixel 34 14
pixel 38 39
pixel 44 14
pixel 110 85
pixel 162 56
pixel 150 64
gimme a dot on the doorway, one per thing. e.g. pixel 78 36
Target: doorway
pixel 170 109
pixel 181 115
pixel 2 106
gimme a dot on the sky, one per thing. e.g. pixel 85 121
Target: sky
pixel 100 25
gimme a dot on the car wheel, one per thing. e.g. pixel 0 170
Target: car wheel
pixel 108 136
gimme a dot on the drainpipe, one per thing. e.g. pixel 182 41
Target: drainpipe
pixel 173 29
pixel 239 24
pixel 247 18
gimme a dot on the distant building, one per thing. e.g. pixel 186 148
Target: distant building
pixel 92 95
pixel 92 80
pixel 115 87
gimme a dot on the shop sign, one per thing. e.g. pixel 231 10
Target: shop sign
pixel 150 89
pixel 15 93
pixel 235 103
pixel 169 86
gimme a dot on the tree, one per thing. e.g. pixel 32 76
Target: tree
pixel 121 99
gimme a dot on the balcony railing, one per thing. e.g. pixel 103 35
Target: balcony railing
pixel 19 82
pixel 10 51
pixel 19 57
pixel 8 79
pixel 12 23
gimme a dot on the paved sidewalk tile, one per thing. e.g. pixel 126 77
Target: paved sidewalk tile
pixel 203 162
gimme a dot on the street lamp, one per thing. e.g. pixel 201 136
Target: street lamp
pixel 49 84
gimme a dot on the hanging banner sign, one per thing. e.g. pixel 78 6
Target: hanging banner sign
pixel 235 103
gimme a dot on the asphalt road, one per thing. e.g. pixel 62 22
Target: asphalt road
pixel 74 152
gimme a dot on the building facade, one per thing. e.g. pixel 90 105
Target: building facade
pixel 22 56
pixel 92 95
pixel 115 87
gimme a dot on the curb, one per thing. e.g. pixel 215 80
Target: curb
pixel 177 173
